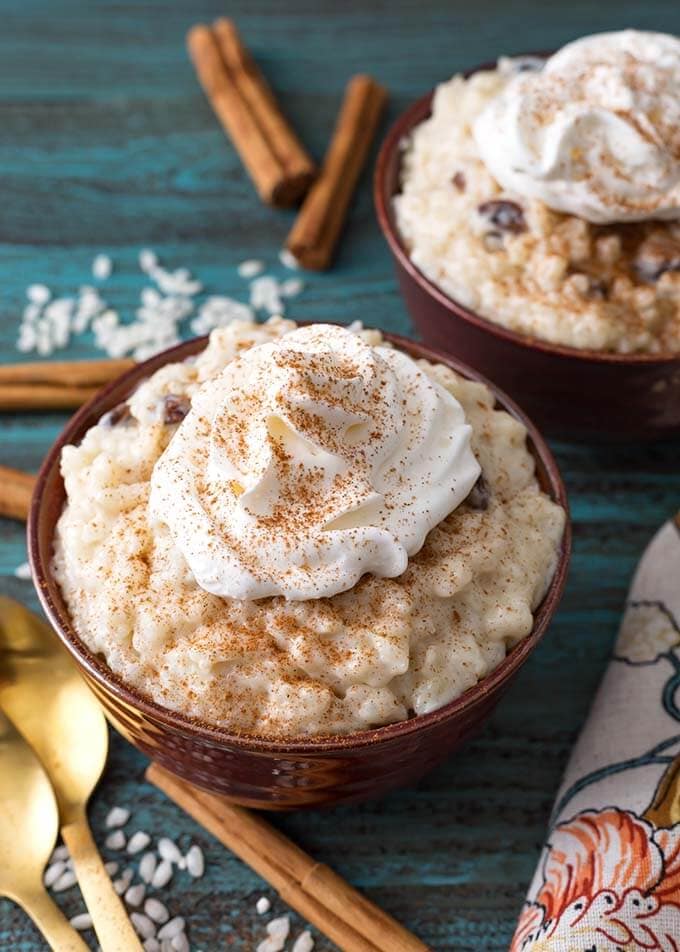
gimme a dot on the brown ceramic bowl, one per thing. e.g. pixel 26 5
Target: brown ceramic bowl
pixel 578 394
pixel 252 770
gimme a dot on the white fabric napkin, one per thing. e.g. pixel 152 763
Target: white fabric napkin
pixel 609 875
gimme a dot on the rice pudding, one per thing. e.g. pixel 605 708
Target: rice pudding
pixel 304 532
pixel 545 195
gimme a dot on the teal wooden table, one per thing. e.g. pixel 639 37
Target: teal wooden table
pixel 108 145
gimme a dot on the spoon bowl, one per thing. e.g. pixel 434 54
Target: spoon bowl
pixel 52 707
pixel 29 823
pixel 47 700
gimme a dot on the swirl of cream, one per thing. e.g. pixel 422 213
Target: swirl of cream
pixel 595 132
pixel 309 462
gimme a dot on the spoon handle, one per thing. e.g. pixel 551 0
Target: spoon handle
pixel 114 929
pixel 60 935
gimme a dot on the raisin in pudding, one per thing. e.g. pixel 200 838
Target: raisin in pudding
pixel 304 531
pixel 545 195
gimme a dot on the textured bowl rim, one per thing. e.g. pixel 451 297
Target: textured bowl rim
pixel 383 194
pixel 119 389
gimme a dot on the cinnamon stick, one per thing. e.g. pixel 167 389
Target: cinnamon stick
pixel 297 164
pixel 73 373
pixel 314 235
pixel 311 888
pixel 16 489
pixel 276 161
pixel 43 396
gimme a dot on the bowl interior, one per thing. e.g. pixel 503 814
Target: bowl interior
pixel 49 498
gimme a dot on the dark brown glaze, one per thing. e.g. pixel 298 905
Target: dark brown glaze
pixel 571 393
pixel 278 775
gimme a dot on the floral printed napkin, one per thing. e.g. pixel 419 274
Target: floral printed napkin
pixel 609 875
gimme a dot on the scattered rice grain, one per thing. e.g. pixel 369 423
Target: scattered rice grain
pixel 144 927
pixel 147 867
pixel 53 872
pixel 121 884
pixel 117 816
pixel 250 268
pixel 148 259
pixel 262 905
pixel 180 943
pixel 115 840
pixel 292 287
pixel 277 933
pixel 195 862
pixel 155 910
pixel 81 922
pixel 23 571
pixel 135 894
pixel 288 259
pixel 38 293
pixel 102 266
pixel 304 942
pixel 67 880
pixel 172 928
pixel 264 295
pixel 169 850
pixel 162 875
pixel 137 842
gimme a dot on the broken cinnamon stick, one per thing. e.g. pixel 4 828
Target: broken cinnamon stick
pixel 56 384
pixel 43 396
pixel 66 373
pixel 16 489
pixel 314 235
pixel 276 161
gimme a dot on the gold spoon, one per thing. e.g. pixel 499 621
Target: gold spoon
pixel 29 822
pixel 43 694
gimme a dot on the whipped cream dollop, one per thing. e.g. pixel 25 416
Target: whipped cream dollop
pixel 595 132
pixel 309 462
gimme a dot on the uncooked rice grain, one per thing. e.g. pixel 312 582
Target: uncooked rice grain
pixel 172 928
pixel 81 922
pixel 115 840
pixel 147 867
pixel 147 259
pixel 137 842
pixel 288 259
pixel 251 268
pixel 144 927
pixel 162 875
pixel 117 816
pixel 304 942
pixel 23 571
pixel 169 850
pixel 195 862
pixel 156 910
pixel 53 872
pixel 67 880
pixel 102 267
pixel 121 884
pixel 38 293
pixel 135 894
